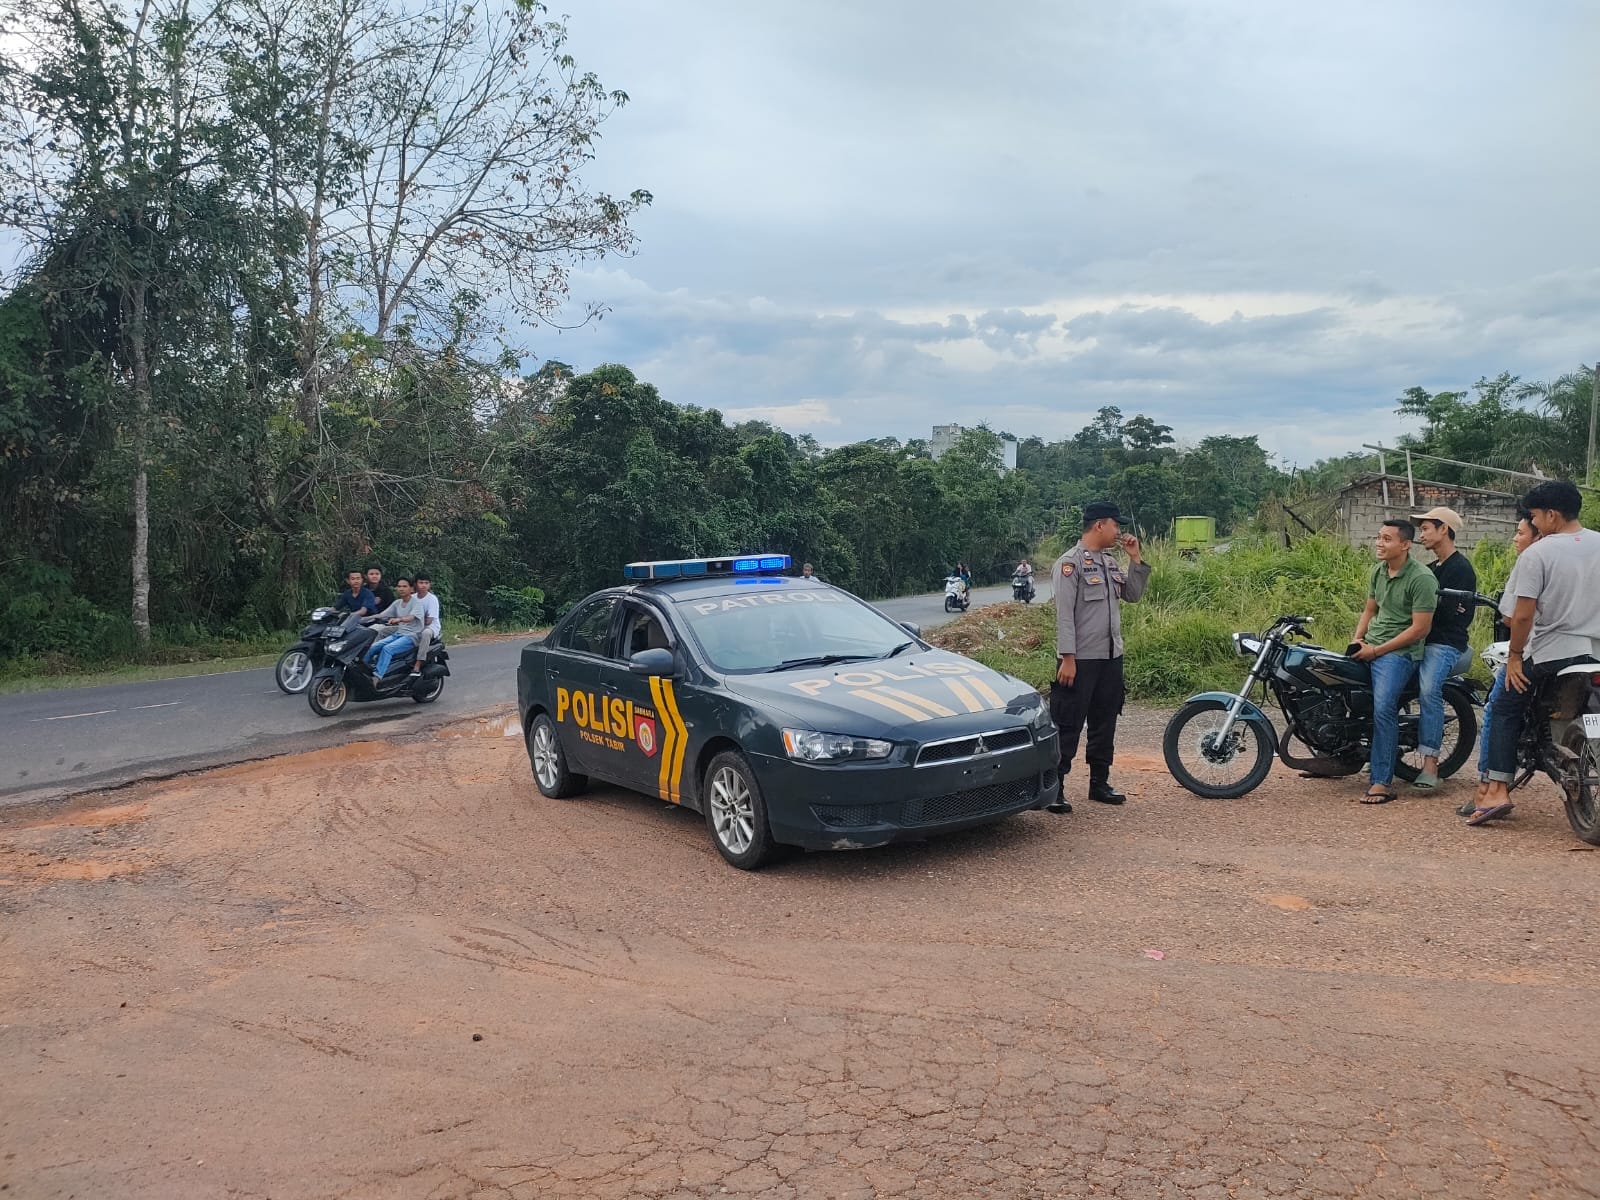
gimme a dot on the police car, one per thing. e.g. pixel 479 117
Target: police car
pixel 785 710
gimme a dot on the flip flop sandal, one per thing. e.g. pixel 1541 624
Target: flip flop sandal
pixel 1467 808
pixel 1483 816
pixel 1427 781
pixel 1379 797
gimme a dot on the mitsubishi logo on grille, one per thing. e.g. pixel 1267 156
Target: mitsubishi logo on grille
pixel 982 747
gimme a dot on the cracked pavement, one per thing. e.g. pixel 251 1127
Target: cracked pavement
pixel 266 981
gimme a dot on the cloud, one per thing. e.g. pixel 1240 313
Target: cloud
pixel 1237 218
pixel 803 416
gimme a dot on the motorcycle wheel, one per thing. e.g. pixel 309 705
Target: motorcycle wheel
pixel 328 694
pixel 1581 790
pixel 949 604
pixel 428 690
pixel 293 671
pixel 1188 748
pixel 1461 722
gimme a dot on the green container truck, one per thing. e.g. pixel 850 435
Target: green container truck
pixel 1192 534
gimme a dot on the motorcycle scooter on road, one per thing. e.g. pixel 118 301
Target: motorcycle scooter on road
pixel 1022 588
pixel 955 594
pixel 347 676
pixel 301 661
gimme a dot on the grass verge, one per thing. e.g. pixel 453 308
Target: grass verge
pixel 1179 636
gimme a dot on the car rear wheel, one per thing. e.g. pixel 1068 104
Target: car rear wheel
pixel 550 771
pixel 736 813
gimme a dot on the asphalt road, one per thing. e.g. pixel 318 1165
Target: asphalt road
pixel 57 743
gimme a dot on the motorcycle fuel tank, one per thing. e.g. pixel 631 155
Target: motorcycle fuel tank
pixel 1315 665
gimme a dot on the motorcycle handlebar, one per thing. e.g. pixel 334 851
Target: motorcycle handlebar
pixel 1477 599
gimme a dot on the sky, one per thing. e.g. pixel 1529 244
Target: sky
pixel 1237 216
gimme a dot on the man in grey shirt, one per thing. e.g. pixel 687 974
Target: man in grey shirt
pixel 1089 587
pixel 1556 583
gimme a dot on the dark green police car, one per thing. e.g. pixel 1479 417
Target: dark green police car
pixel 785 710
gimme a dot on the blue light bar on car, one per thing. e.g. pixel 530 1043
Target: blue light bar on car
pixel 695 568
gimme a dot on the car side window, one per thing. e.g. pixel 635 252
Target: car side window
pixel 642 630
pixel 587 632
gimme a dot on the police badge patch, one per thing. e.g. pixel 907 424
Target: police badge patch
pixel 1066 570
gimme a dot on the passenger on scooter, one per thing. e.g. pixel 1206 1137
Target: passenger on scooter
pixel 381 592
pixel 356 597
pixel 431 628
pixel 1525 536
pixel 405 615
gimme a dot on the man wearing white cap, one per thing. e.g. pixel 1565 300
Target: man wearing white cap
pixel 1447 650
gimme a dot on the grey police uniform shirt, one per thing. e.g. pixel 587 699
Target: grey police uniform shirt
pixel 1088 587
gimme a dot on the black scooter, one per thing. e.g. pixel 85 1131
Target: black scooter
pixel 348 676
pixel 301 661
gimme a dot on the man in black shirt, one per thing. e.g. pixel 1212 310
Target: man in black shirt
pixel 380 590
pixel 1447 650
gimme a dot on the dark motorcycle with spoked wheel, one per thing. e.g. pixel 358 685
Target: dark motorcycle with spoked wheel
pixel 1221 745
pixel 346 675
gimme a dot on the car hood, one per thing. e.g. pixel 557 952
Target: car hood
pixel 922 696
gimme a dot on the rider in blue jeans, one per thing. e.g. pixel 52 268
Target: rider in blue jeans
pixel 405 617
pixel 1525 536
pixel 1401 599
pixel 1446 650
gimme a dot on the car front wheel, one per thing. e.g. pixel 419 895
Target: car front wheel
pixel 736 813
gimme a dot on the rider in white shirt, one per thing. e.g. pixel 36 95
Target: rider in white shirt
pixel 430 621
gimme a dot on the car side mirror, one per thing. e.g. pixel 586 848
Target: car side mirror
pixel 653 662
pixel 912 628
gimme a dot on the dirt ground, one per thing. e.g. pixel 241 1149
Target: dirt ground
pixel 396 971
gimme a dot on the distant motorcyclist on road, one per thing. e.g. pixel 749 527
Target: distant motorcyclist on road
pixel 406 619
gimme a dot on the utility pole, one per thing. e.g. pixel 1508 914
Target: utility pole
pixel 1594 409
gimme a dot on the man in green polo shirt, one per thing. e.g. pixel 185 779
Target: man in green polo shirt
pixel 1391 634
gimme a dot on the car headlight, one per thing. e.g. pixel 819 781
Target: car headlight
pixel 807 745
pixel 1039 720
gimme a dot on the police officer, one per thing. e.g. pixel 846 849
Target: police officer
pixel 1089 587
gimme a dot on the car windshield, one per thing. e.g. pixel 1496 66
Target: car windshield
pixel 760 630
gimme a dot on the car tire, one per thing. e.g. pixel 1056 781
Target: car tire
pixel 551 774
pixel 736 813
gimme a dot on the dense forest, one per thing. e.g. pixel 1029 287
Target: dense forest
pixel 265 327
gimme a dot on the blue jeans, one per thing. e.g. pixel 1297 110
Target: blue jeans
pixel 387 648
pixel 1438 664
pixel 1512 708
pixel 1390 675
pixel 1488 722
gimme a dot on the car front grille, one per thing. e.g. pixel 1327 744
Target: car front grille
pixel 956 749
pixel 974 802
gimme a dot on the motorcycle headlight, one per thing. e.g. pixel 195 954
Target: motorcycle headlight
pixel 339 645
pixel 807 745
pixel 1246 645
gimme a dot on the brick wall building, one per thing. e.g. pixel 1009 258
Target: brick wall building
pixel 1363 509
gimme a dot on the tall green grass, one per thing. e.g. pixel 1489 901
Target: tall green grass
pixel 1179 636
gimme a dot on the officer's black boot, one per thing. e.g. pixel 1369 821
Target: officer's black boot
pixel 1061 803
pixel 1100 788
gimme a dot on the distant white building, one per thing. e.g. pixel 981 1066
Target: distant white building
pixel 946 436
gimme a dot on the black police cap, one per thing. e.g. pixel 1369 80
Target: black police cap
pixel 1100 510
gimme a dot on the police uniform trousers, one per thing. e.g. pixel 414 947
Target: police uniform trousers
pixel 1096 696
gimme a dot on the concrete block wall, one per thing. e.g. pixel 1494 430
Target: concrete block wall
pixel 1486 514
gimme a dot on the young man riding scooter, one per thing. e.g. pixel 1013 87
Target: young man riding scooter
pixel 406 617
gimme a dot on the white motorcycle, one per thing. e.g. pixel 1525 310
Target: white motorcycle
pixel 956 598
